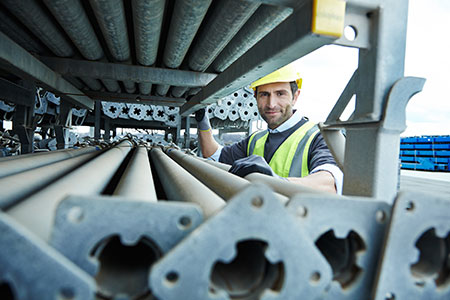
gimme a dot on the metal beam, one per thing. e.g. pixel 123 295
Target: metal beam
pixel 22 63
pixel 115 71
pixel 285 3
pixel 15 93
pixel 134 98
pixel 291 40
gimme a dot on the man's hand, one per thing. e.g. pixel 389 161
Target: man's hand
pixel 252 164
pixel 202 120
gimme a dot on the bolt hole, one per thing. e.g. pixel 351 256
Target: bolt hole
pixel 257 202
pixel 380 216
pixel 66 294
pixel 6 291
pixel 410 206
pixel 75 215
pixel 390 296
pixel 315 278
pixel 172 277
pixel 235 94
pixel 350 33
pixel 302 211
pixel 185 222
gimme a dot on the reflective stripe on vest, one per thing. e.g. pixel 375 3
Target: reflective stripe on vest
pixel 291 157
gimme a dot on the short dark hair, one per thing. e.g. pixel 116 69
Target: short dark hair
pixel 293 84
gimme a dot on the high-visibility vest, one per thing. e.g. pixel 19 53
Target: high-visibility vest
pixel 291 157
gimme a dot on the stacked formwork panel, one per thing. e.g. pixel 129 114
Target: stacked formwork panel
pixel 425 153
pixel 142 222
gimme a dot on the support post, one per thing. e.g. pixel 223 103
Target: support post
pixel 97 120
pixel 107 135
pixel 187 132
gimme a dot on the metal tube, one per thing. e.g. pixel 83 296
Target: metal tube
pixel 31 161
pixel 72 17
pixel 220 181
pixel 13 187
pixel 37 211
pixel 182 186
pixel 137 180
pixel 38 22
pixel 286 188
pixel 226 20
pixel 147 17
pixel 92 83
pixel 186 19
pixel 266 18
pixel 110 15
pixel 14 31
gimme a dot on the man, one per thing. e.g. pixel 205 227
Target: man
pixel 292 146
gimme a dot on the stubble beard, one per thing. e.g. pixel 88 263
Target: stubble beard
pixel 273 123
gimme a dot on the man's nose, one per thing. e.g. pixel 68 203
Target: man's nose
pixel 271 101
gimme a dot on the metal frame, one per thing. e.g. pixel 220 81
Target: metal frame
pixel 19 61
pixel 255 214
pixel 81 222
pixel 365 217
pixel 289 41
pixel 413 215
pixel 33 269
pixel 115 71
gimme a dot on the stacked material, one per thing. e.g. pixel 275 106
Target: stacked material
pixel 426 153
pixel 237 110
pixel 136 221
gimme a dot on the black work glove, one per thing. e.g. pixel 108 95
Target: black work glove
pixel 252 164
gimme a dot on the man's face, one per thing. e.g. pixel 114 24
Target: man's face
pixel 275 102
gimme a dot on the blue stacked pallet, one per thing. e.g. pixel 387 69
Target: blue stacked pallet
pixel 427 153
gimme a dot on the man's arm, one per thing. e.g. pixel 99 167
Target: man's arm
pixel 207 143
pixel 205 137
pixel 321 180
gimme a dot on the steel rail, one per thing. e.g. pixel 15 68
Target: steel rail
pixel 37 211
pixel 29 161
pixel 181 186
pixel 137 180
pixel 225 184
pixel 13 188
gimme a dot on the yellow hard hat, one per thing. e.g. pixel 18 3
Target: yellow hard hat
pixel 284 74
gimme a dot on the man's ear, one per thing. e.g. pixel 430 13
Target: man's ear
pixel 295 97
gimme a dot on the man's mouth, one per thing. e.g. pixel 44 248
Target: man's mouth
pixel 271 112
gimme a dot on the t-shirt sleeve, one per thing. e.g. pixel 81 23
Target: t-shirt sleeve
pixel 234 152
pixel 319 154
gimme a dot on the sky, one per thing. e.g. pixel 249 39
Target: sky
pixel 327 70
